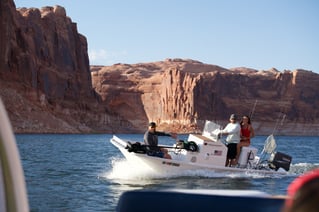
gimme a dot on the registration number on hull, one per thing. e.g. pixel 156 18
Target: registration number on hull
pixel 170 163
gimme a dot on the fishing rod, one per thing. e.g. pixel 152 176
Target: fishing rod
pixel 281 123
pixel 253 110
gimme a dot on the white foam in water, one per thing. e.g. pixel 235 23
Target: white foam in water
pixel 123 170
pixel 301 168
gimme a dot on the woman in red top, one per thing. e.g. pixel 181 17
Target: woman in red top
pixel 246 133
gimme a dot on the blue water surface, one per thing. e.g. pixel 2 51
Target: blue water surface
pixel 87 173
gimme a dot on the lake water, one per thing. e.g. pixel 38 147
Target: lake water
pixel 87 173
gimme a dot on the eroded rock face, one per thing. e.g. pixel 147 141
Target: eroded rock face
pixel 43 50
pixel 182 94
pixel 44 60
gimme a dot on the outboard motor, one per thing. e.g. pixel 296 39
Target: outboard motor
pixel 280 160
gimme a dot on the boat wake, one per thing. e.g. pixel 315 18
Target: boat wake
pixel 301 168
pixel 122 169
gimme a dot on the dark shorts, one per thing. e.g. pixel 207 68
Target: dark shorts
pixel 155 154
pixel 232 151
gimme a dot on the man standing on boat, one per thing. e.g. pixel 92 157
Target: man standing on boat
pixel 232 130
pixel 151 140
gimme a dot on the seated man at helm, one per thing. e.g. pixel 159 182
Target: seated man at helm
pixel 151 140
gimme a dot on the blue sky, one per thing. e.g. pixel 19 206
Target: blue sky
pixel 259 34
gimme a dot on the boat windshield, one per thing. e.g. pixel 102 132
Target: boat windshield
pixel 211 130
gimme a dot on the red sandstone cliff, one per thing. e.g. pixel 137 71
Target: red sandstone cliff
pixel 47 86
pixel 44 70
pixel 182 94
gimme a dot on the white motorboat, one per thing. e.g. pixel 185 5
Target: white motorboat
pixel 205 151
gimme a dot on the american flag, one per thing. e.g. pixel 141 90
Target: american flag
pixel 218 152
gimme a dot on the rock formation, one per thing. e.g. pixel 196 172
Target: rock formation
pixel 48 87
pixel 44 70
pixel 182 94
